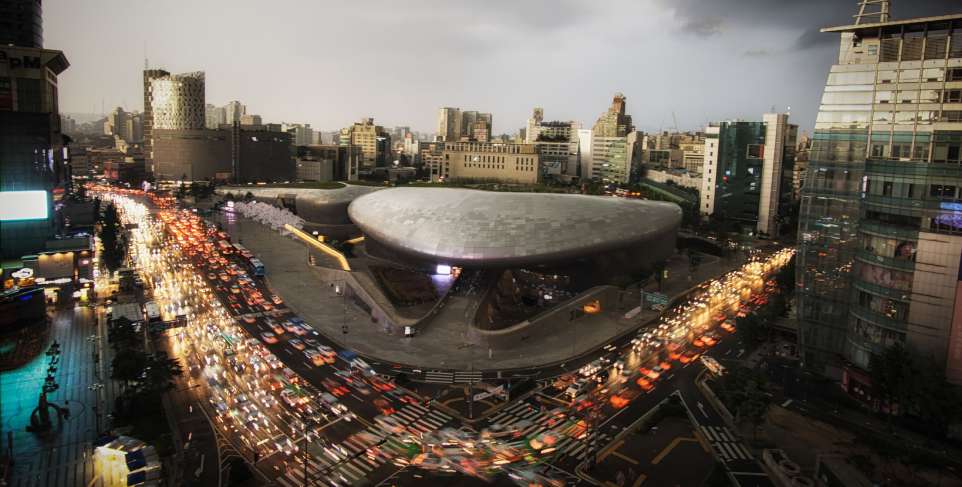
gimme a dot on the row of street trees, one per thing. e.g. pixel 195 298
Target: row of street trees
pixel 905 383
pixel 112 238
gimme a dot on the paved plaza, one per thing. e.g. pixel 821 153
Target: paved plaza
pixel 442 344
pixel 61 457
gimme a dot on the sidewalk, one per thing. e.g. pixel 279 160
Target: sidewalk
pixel 442 345
pixel 61 457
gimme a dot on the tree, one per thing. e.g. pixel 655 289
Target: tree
pixel 160 371
pixel 123 336
pixel 891 378
pixel 111 239
pixel 195 189
pixel 785 277
pixel 128 366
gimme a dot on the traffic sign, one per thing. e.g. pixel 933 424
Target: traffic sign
pixel 656 298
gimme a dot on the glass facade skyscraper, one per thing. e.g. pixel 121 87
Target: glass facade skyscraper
pixel 880 230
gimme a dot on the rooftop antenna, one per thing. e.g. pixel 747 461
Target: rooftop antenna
pixel 872 11
pixel 146 63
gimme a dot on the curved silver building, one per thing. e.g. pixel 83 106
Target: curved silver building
pixel 474 228
pixel 319 206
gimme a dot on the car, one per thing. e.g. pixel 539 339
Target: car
pixel 290 326
pixel 278 329
pixel 296 343
pixel 728 326
pixel 334 387
pixel 381 384
pixel 314 356
pixel 698 342
pixel 688 357
pixel 299 330
pixel 384 406
pixel 211 276
pixel 248 318
pixel 266 306
pixel 269 337
pixel 312 342
pixel 708 341
pixel 645 384
pixel 649 373
pixel 362 387
pixel 618 402
pixel 276 299
pixel 347 355
pixel 235 290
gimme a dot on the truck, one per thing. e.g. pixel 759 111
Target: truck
pixel 152 311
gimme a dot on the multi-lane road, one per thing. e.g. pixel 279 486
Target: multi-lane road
pixel 327 418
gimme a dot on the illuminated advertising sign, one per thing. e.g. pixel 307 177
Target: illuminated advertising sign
pixel 23 205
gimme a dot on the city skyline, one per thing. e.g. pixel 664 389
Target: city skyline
pixel 503 60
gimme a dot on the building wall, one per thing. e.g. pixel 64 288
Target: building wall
pixel 609 159
pixel 315 170
pixel 149 76
pixel 779 139
pixel 264 156
pixel 178 102
pixel 880 233
pixel 681 178
pixel 373 141
pixel 31 143
pixel 517 163
pixel 198 154
pixel 709 172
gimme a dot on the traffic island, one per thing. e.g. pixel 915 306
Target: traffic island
pixel 660 448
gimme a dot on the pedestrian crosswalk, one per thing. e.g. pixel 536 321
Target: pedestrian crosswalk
pixel 573 440
pixel 439 377
pixel 350 463
pixel 726 446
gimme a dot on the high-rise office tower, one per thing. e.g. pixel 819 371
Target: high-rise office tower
pixel 234 111
pixel 531 130
pixel 31 142
pixel 116 123
pixel 449 124
pixel 880 231
pixel 374 141
pixel 178 101
pixel 214 116
pixel 455 124
pixel 609 144
pixel 149 76
pixel 746 172
pixel 21 23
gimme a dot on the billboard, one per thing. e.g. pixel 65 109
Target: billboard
pixel 23 205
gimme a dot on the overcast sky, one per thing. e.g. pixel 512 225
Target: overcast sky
pixel 331 63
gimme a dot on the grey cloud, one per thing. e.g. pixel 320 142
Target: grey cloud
pixel 792 14
pixel 703 27
pixel 756 53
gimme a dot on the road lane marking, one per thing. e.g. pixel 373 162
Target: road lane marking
pixel 665 451
pixel 610 450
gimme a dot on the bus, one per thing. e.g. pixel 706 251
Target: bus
pixel 243 252
pixel 256 266
pixel 152 311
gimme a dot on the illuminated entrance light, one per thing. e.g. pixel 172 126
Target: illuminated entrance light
pixel 443 269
